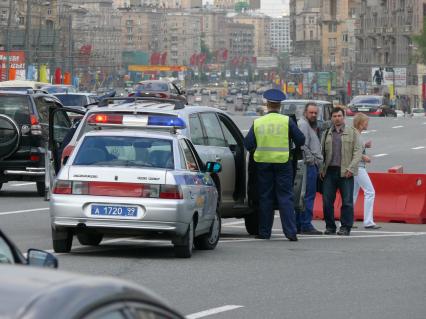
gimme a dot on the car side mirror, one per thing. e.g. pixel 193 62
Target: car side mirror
pixel 213 167
pixel 40 258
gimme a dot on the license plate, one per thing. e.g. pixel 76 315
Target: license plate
pixel 115 211
pixel 364 109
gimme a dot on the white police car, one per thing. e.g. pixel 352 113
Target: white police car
pixel 146 180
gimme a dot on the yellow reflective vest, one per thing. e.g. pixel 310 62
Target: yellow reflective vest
pixel 272 140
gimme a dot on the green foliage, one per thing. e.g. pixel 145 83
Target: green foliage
pixel 420 41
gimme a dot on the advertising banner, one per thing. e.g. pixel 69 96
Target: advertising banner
pixel 16 61
pixel 387 76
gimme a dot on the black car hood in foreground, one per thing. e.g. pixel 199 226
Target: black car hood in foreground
pixel 32 293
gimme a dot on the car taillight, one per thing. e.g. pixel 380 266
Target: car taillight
pixel 171 192
pixel 67 151
pixel 62 187
pixel 34 158
pixel 105 119
pixel 35 125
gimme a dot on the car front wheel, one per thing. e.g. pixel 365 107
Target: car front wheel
pixel 184 248
pixel 209 241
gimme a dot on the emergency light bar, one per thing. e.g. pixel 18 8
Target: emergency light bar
pixel 136 121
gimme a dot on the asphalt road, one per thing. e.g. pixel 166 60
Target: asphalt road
pixel 371 274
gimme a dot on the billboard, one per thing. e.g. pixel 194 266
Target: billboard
pixel 300 63
pixel 267 62
pixel 16 61
pixel 387 76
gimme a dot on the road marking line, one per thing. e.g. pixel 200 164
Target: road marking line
pixel 234 223
pixel 212 311
pixel 380 155
pixel 22 184
pixel 368 131
pixel 24 211
pixel 417 148
pixel 398 126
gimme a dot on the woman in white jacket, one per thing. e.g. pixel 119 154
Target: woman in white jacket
pixel 362 180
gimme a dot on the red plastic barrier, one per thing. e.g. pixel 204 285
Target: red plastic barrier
pixel 400 198
pixel 396 169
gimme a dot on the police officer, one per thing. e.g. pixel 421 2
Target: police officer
pixel 270 138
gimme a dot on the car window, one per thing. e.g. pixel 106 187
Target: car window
pixel 6 254
pixel 228 135
pixel 16 107
pixel 42 109
pixel 173 89
pixel 190 161
pixel 196 130
pixel 72 99
pixel 366 100
pixel 214 135
pixel 125 151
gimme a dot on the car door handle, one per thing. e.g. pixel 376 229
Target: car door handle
pixel 217 158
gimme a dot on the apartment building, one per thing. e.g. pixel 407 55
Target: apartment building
pixel 239 40
pixel 384 39
pixel 280 34
pixel 212 25
pixel 305 30
pixel 261 23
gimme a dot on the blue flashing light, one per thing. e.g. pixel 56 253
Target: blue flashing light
pixel 165 121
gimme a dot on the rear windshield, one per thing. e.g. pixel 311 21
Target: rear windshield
pixel 152 87
pixel 16 107
pixel 366 100
pixel 297 108
pixel 418 110
pixel 72 99
pixel 58 89
pixel 125 151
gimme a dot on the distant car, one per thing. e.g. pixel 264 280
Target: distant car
pixel 10 254
pixel 58 88
pixel 145 178
pixel 239 96
pixel 372 105
pixel 159 88
pixel 250 113
pixel 246 99
pixel 418 112
pixel 233 91
pixel 245 91
pixel 297 107
pixel 223 107
pixel 205 91
pixel 229 99
pixel 198 98
pixel 399 113
pixel 213 98
pixel 239 107
pixel 40 294
pixel 254 100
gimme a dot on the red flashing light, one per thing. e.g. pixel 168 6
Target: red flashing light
pixel 105 119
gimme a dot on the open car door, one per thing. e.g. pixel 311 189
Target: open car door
pixel 61 130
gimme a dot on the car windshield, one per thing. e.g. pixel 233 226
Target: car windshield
pixel 72 99
pixel 125 151
pixel 16 107
pixel 297 108
pixel 152 87
pixel 366 100
pixel 418 110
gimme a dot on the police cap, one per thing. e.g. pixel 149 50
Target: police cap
pixel 274 95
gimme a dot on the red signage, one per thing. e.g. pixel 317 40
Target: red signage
pixel 16 59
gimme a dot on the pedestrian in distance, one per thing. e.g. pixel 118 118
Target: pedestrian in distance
pixel 362 180
pixel 270 137
pixel 312 156
pixel 342 153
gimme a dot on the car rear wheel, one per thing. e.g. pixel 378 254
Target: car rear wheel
pixel 41 188
pixel 90 238
pixel 184 249
pixel 209 241
pixel 62 240
pixel 252 222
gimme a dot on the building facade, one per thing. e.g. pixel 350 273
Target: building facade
pixel 280 34
pixel 239 40
pixel 305 30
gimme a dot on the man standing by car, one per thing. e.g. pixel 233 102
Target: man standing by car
pixel 342 154
pixel 313 158
pixel 270 138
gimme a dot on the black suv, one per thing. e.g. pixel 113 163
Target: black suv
pixel 24 135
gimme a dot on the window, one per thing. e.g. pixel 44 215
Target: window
pixel 214 135
pixel 332 27
pixel 196 130
pixel 6 254
pixel 42 109
pixel 228 135
pixel 311 35
pixel 190 162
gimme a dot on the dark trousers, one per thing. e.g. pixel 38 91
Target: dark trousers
pixel 332 183
pixel 275 181
pixel 304 219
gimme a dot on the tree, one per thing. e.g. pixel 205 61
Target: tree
pixel 420 41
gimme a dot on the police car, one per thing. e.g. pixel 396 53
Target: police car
pixel 213 133
pixel 146 180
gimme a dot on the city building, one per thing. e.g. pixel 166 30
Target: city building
pixel 240 41
pixel 230 4
pixel 384 40
pixel 261 23
pixel 305 30
pixel 280 34
pixel 212 26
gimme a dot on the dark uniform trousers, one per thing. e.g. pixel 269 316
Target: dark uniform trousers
pixel 275 180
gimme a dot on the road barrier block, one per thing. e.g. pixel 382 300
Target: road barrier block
pixel 396 169
pixel 400 198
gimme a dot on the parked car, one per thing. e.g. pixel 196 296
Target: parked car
pixel 59 88
pixel 10 254
pixel 418 112
pixel 229 99
pixel 40 294
pixel 21 85
pixel 159 88
pixel 24 125
pixel 246 99
pixel 372 105
pixel 215 137
pixel 198 98
pixel 145 178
